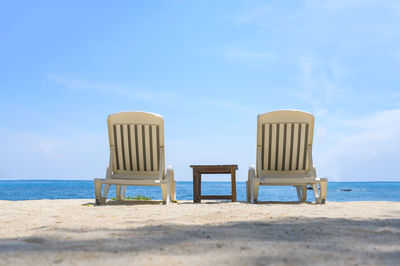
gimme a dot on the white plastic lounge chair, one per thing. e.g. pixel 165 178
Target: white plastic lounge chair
pixel 284 155
pixel 136 156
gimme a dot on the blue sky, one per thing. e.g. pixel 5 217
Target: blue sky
pixel 208 67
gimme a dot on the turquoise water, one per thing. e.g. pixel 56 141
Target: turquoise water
pixel 59 189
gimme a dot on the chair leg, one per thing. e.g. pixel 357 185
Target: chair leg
pixel 256 188
pixel 316 193
pixel 247 191
pixel 173 190
pixel 169 190
pixel 165 193
pixel 323 185
pixel 105 192
pixel 97 191
pixel 302 193
pixel 118 192
pixel 320 196
pixel 252 185
pixel 298 189
pixel 251 190
pixel 123 192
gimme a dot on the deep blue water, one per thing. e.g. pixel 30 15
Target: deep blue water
pixel 58 189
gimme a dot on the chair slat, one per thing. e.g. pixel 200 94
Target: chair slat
pixel 305 163
pixel 291 146
pixel 288 147
pixel 147 147
pixel 295 146
pixel 122 149
pixel 270 142
pixel 264 147
pixel 127 147
pixel 119 148
pixel 302 141
pixel 273 146
pixel 134 150
pixel 141 151
pixel 151 147
pixel 280 145
pixel 158 148
pixel 154 148
pixel 116 148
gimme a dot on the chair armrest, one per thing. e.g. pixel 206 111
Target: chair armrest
pixel 110 163
pixel 313 171
pixel 250 182
pixel 258 163
pixel 252 168
pixel 161 162
pixel 169 175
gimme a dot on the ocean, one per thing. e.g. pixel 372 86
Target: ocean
pixel 79 189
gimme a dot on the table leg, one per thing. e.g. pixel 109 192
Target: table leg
pixel 199 187
pixel 233 180
pixel 194 186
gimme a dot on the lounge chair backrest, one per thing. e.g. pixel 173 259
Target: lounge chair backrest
pixel 284 143
pixel 137 143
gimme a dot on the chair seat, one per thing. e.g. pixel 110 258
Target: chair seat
pixel 138 176
pixel 284 181
pixel 127 182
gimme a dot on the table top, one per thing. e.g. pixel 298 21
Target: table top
pixel 215 166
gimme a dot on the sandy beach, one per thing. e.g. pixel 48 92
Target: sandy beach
pixel 72 232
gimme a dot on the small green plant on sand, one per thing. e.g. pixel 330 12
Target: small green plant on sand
pixel 136 197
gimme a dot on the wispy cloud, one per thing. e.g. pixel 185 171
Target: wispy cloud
pixel 396 96
pixel 396 6
pixel 319 81
pixel 42 146
pixel 369 149
pixel 124 90
pixel 224 104
pixel 241 54
pixel 250 16
pixel 176 101
pixel 281 17
pixel 268 16
pixel 50 156
pixel 340 4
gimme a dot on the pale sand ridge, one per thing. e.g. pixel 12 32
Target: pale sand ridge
pixel 44 232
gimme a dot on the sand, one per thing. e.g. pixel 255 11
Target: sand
pixel 75 232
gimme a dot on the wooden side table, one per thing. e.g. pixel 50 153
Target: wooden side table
pixel 213 169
